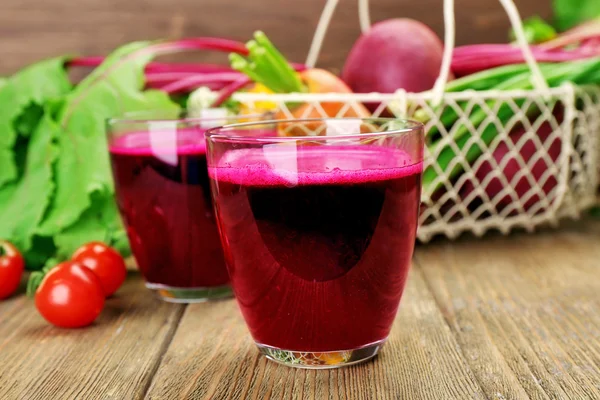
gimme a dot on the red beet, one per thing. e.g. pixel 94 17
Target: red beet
pixel 511 167
pixel 394 54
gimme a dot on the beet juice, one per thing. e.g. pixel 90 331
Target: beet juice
pixel 318 241
pixel 163 194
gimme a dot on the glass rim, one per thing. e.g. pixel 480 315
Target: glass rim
pixel 216 133
pixel 129 118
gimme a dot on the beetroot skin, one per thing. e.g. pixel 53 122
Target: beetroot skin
pixel 394 54
pixel 511 168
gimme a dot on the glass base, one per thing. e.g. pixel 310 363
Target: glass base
pixel 321 360
pixel 190 295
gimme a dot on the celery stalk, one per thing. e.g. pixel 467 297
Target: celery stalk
pixel 266 65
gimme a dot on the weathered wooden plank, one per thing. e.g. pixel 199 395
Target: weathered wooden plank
pixel 34 29
pixel 114 358
pixel 524 309
pixel 212 357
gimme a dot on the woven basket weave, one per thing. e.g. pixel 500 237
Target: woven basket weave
pixel 559 180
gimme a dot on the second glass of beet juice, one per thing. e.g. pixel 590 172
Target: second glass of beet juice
pixel 318 225
pixel 163 194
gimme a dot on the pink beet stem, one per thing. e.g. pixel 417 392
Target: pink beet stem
pixel 588 30
pixel 216 86
pixel 191 68
pixel 157 66
pixel 202 43
pixel 165 77
pixel 470 59
pixel 195 81
pixel 229 90
pixel 86 61
pixel 178 77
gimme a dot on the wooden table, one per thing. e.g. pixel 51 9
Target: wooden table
pixel 498 318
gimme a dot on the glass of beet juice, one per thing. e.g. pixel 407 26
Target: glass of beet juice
pixel 163 194
pixel 318 226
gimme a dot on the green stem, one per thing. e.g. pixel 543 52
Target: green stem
pixel 514 77
pixel 579 72
pixel 486 79
pixel 266 65
pixel 36 277
pixel 447 155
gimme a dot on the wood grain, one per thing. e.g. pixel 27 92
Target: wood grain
pixel 113 359
pixel 35 29
pixel 496 318
pixel 214 358
pixel 524 310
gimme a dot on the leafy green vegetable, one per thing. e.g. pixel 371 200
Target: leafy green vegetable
pixel 569 13
pixel 35 86
pixel 536 30
pixel 24 202
pixel 114 88
pixel 42 248
pixel 97 223
pixel 56 189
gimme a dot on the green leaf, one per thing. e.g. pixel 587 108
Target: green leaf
pixel 34 85
pixel 114 88
pixel 25 123
pixel 120 242
pixel 536 30
pixel 34 281
pixel 42 248
pixel 36 277
pixel 98 223
pixel 569 13
pixel 101 222
pixel 24 202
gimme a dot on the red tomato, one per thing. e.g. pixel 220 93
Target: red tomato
pixel 105 262
pixel 12 265
pixel 70 296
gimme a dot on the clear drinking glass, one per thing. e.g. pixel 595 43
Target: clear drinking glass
pixel 163 194
pixel 318 220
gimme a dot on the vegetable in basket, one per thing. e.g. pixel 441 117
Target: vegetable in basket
pixel 582 42
pixel 272 73
pixel 394 54
pixel 569 13
pixel 536 30
pixel 510 165
pixel 444 150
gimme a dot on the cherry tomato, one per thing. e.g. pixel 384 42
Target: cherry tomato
pixel 105 262
pixel 12 265
pixel 70 296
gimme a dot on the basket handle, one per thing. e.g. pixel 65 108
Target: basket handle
pixel 319 35
pixel 537 78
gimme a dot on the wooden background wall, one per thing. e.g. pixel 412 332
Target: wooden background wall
pixel 34 29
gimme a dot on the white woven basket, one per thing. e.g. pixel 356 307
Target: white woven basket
pixel 558 180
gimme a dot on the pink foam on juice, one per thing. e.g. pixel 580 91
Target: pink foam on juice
pixel 318 241
pixel 310 165
pixel 190 141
